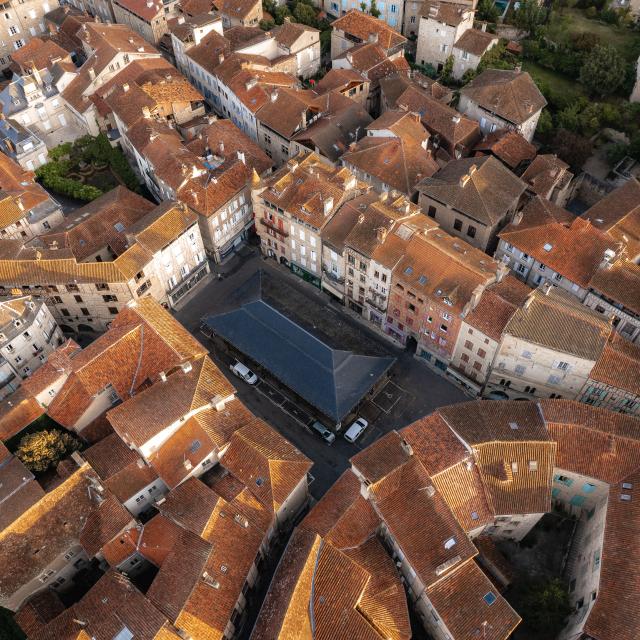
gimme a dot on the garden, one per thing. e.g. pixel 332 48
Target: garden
pixel 86 168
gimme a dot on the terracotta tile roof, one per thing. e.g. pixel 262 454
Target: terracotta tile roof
pixel 146 10
pixel 20 184
pixel 58 365
pixel 268 464
pixel 539 212
pixel 39 53
pixel 111 605
pixel 287 34
pixel 482 188
pixel 619 282
pixel 45 531
pixel 338 79
pixel 342 516
pixel 609 442
pixel 17 411
pixel 554 319
pixel 618 215
pixel 381 458
pixel 211 51
pixel 307 191
pixel 449 13
pixel 341 121
pixel 180 571
pixel 618 365
pixel 162 404
pixel 497 305
pixel 475 41
pixel 157 539
pixel 444 268
pixel 121 547
pixel 361 25
pixel 512 95
pixel 508 146
pixel 196 7
pixel 238 9
pixel 614 615
pixel 554 244
pixel 460 602
pixel 101 223
pixel 182 452
pixel 371 589
pixel 192 505
pixel 440 543
pixel 104 524
pixel 18 489
pixel 492 422
pixel 39 610
pixel 546 173
pixel 143 341
pixel 398 158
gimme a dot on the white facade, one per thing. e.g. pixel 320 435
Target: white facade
pixel 436 38
pixel 28 336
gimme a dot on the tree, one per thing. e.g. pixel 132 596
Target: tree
pixel 305 14
pixel 574 149
pixel 603 70
pixel 447 70
pixel 373 9
pixel 487 11
pixel 43 449
pixel 545 124
pixel 529 16
pixel 545 607
pixel 280 13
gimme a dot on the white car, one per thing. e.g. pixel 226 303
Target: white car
pixel 244 373
pixel 355 430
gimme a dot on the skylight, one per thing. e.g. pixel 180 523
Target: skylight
pixel 422 279
pixel 489 598
pixel 514 425
pixel 451 542
pixel 547 246
pixel 195 445
pixel 118 226
pixel 409 270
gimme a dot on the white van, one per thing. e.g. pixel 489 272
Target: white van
pixel 356 430
pixel 244 373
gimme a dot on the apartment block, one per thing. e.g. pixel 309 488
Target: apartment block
pixel 441 26
pixel 28 334
pixel 27 209
pixel 21 22
pixel 293 206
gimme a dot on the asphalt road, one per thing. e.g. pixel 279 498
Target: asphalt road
pixel 414 390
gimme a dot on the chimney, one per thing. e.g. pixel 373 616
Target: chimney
pixel 608 259
pixel 186 367
pixel 241 157
pixel 328 206
pixel 92 73
pixel 464 179
pixel 20 204
pixel 381 234
pixel 373 38
pixel 145 112
pixel 163 376
pixel 125 87
pixel 274 95
pixel 483 27
pixel 221 148
pixel 472 169
pixel 456 120
pixel 180 19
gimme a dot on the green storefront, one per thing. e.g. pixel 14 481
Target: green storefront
pixel 305 275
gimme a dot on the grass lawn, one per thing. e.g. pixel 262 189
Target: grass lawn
pixel 557 82
pixel 627 42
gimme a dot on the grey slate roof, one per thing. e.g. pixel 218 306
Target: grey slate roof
pixel 332 380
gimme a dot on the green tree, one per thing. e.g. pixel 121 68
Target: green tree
pixel 545 607
pixel 545 124
pixel 603 70
pixel 305 14
pixel 280 13
pixel 487 11
pixel 529 16
pixel 373 9
pixel 43 449
pixel 447 70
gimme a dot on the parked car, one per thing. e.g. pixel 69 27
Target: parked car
pixel 325 434
pixel 355 430
pixel 243 372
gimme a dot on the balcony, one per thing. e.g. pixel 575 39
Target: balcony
pixel 273 227
pixel 377 304
pixel 332 277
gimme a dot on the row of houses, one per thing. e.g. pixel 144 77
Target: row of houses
pixel 449 302
pixel 179 481
pixel 473 474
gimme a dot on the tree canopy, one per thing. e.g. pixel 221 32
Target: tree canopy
pixel 603 70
